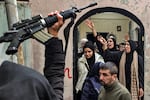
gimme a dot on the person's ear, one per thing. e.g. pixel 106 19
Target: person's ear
pixel 114 76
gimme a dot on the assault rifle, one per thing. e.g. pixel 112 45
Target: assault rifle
pixel 25 29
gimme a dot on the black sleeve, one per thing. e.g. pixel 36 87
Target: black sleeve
pixel 141 71
pixel 54 65
pixel 113 56
pixel 99 46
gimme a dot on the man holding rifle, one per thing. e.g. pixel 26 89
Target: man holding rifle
pixel 18 82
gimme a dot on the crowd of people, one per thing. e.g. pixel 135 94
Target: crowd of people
pixel 129 74
pixel 106 74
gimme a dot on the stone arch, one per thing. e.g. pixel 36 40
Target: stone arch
pixel 93 12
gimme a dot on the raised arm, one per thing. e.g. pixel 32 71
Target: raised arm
pixel 55 58
pixel 90 24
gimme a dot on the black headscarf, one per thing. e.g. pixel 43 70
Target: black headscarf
pixel 95 70
pixel 132 45
pixel 129 59
pixel 91 60
pixel 89 44
pixel 115 44
pixel 129 56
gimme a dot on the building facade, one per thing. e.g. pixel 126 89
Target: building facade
pixel 136 10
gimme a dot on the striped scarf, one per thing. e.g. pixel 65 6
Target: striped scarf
pixel 134 74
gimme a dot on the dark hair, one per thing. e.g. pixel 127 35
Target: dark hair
pixel 89 44
pixel 122 43
pixel 114 40
pixel 110 66
pixel 115 44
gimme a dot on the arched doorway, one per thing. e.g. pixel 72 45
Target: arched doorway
pixel 76 32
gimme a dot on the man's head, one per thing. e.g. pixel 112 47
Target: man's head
pixel 108 73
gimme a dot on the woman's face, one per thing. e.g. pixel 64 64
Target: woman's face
pixel 110 43
pixel 127 47
pixel 88 53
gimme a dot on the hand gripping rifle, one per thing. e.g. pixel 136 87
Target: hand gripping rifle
pixel 26 28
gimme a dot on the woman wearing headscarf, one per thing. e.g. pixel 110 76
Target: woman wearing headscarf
pixel 131 67
pixel 85 63
pixel 111 43
pixel 111 38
